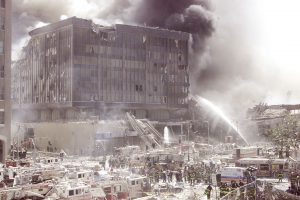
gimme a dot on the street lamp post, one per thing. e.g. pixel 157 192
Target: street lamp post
pixel 207 131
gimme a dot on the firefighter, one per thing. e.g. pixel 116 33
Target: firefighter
pixel 193 177
pixel 293 179
pixel 223 189
pixel 234 185
pixel 208 191
pixel 280 176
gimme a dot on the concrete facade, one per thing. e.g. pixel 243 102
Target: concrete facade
pixel 78 138
pixel 75 69
pixel 5 77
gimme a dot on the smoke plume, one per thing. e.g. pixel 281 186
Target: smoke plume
pixel 228 68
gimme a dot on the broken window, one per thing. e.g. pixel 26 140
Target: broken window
pixel 164 99
pixel 163 67
pixel 139 88
pixel 186 78
pixel 179 57
pixel 144 39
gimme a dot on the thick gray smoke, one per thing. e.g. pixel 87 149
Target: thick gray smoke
pixel 224 41
pixel 190 16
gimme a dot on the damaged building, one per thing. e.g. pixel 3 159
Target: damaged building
pixel 75 68
pixel 5 77
pixel 267 117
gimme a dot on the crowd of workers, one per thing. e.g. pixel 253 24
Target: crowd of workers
pixel 192 174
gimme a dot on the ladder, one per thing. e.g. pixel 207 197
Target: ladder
pixel 146 132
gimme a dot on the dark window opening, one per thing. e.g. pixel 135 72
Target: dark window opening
pixel 164 99
pixel 2 3
pixel 2 23
pixel 71 192
pixel 179 57
pixel 155 66
pixel 182 67
pixel 1 117
pixel 155 88
pixel 264 167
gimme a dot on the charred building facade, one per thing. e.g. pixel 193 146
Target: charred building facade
pixel 75 68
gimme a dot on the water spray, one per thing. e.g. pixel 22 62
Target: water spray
pixel 220 113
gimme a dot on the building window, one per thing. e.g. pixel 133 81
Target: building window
pixel 78 191
pixel 138 88
pixel 264 167
pixel 71 192
pixel 164 99
pixel 2 23
pixel 1 117
pixel 1 47
pixel 2 71
pixel 2 3
pixel 179 57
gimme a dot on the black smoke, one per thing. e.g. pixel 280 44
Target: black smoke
pixel 190 16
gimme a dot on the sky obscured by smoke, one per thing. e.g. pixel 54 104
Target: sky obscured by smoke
pixel 243 52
